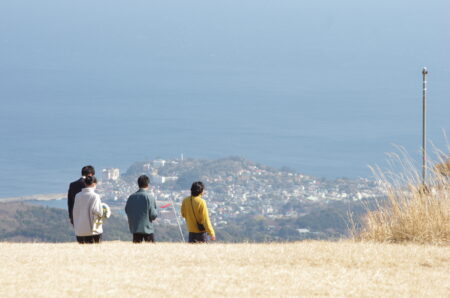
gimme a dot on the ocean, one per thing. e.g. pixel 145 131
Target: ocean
pixel 323 89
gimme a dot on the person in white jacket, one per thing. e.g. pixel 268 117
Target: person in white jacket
pixel 86 210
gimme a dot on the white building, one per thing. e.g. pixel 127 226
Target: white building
pixel 171 179
pixel 161 179
pixel 158 179
pixel 159 163
pixel 110 174
pixel 303 231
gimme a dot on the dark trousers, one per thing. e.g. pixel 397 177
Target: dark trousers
pixel 197 237
pixel 138 238
pixel 89 239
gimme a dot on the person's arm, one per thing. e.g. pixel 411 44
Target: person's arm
pixel 183 213
pixel 70 202
pixel 97 209
pixel 127 206
pixel 152 208
pixel 205 220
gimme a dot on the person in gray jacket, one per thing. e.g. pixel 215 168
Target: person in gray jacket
pixel 141 211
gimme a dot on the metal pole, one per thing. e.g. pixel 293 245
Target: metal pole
pixel 424 110
pixel 178 221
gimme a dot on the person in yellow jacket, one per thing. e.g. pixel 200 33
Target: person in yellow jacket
pixel 195 212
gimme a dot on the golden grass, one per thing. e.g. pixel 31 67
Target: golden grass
pixel 120 269
pixel 413 212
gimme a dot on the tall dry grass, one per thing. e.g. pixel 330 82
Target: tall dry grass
pixel 413 212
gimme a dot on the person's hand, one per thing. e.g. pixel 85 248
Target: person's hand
pixel 213 238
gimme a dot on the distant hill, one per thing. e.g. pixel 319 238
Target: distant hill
pixel 20 222
pixel 26 223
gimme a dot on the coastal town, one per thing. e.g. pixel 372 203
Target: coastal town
pixel 235 187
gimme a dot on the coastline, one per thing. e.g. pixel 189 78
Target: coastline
pixel 38 197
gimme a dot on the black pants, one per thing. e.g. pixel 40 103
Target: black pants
pixel 197 237
pixel 89 239
pixel 138 238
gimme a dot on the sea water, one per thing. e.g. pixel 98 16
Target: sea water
pixel 325 89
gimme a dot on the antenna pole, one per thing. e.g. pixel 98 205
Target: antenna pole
pixel 424 132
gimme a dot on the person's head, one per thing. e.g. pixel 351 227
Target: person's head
pixel 197 188
pixel 90 181
pixel 87 171
pixel 143 181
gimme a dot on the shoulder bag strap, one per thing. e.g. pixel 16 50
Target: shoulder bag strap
pixel 193 211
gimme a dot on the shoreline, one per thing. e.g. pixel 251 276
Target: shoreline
pixel 38 197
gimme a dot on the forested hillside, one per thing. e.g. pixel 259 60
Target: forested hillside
pixel 20 222
pixel 27 223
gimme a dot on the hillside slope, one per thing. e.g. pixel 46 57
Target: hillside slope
pixel 20 222
pixel 117 269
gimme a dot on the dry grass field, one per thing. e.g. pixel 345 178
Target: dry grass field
pixel 116 269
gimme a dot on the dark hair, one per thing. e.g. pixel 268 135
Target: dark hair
pixel 197 188
pixel 89 180
pixel 143 181
pixel 87 170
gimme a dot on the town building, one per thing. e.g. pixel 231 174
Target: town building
pixel 110 174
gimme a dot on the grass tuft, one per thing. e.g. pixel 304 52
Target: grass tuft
pixel 413 211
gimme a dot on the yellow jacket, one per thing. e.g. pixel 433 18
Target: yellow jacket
pixel 201 213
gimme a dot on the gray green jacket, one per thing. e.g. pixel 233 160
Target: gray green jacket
pixel 141 211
